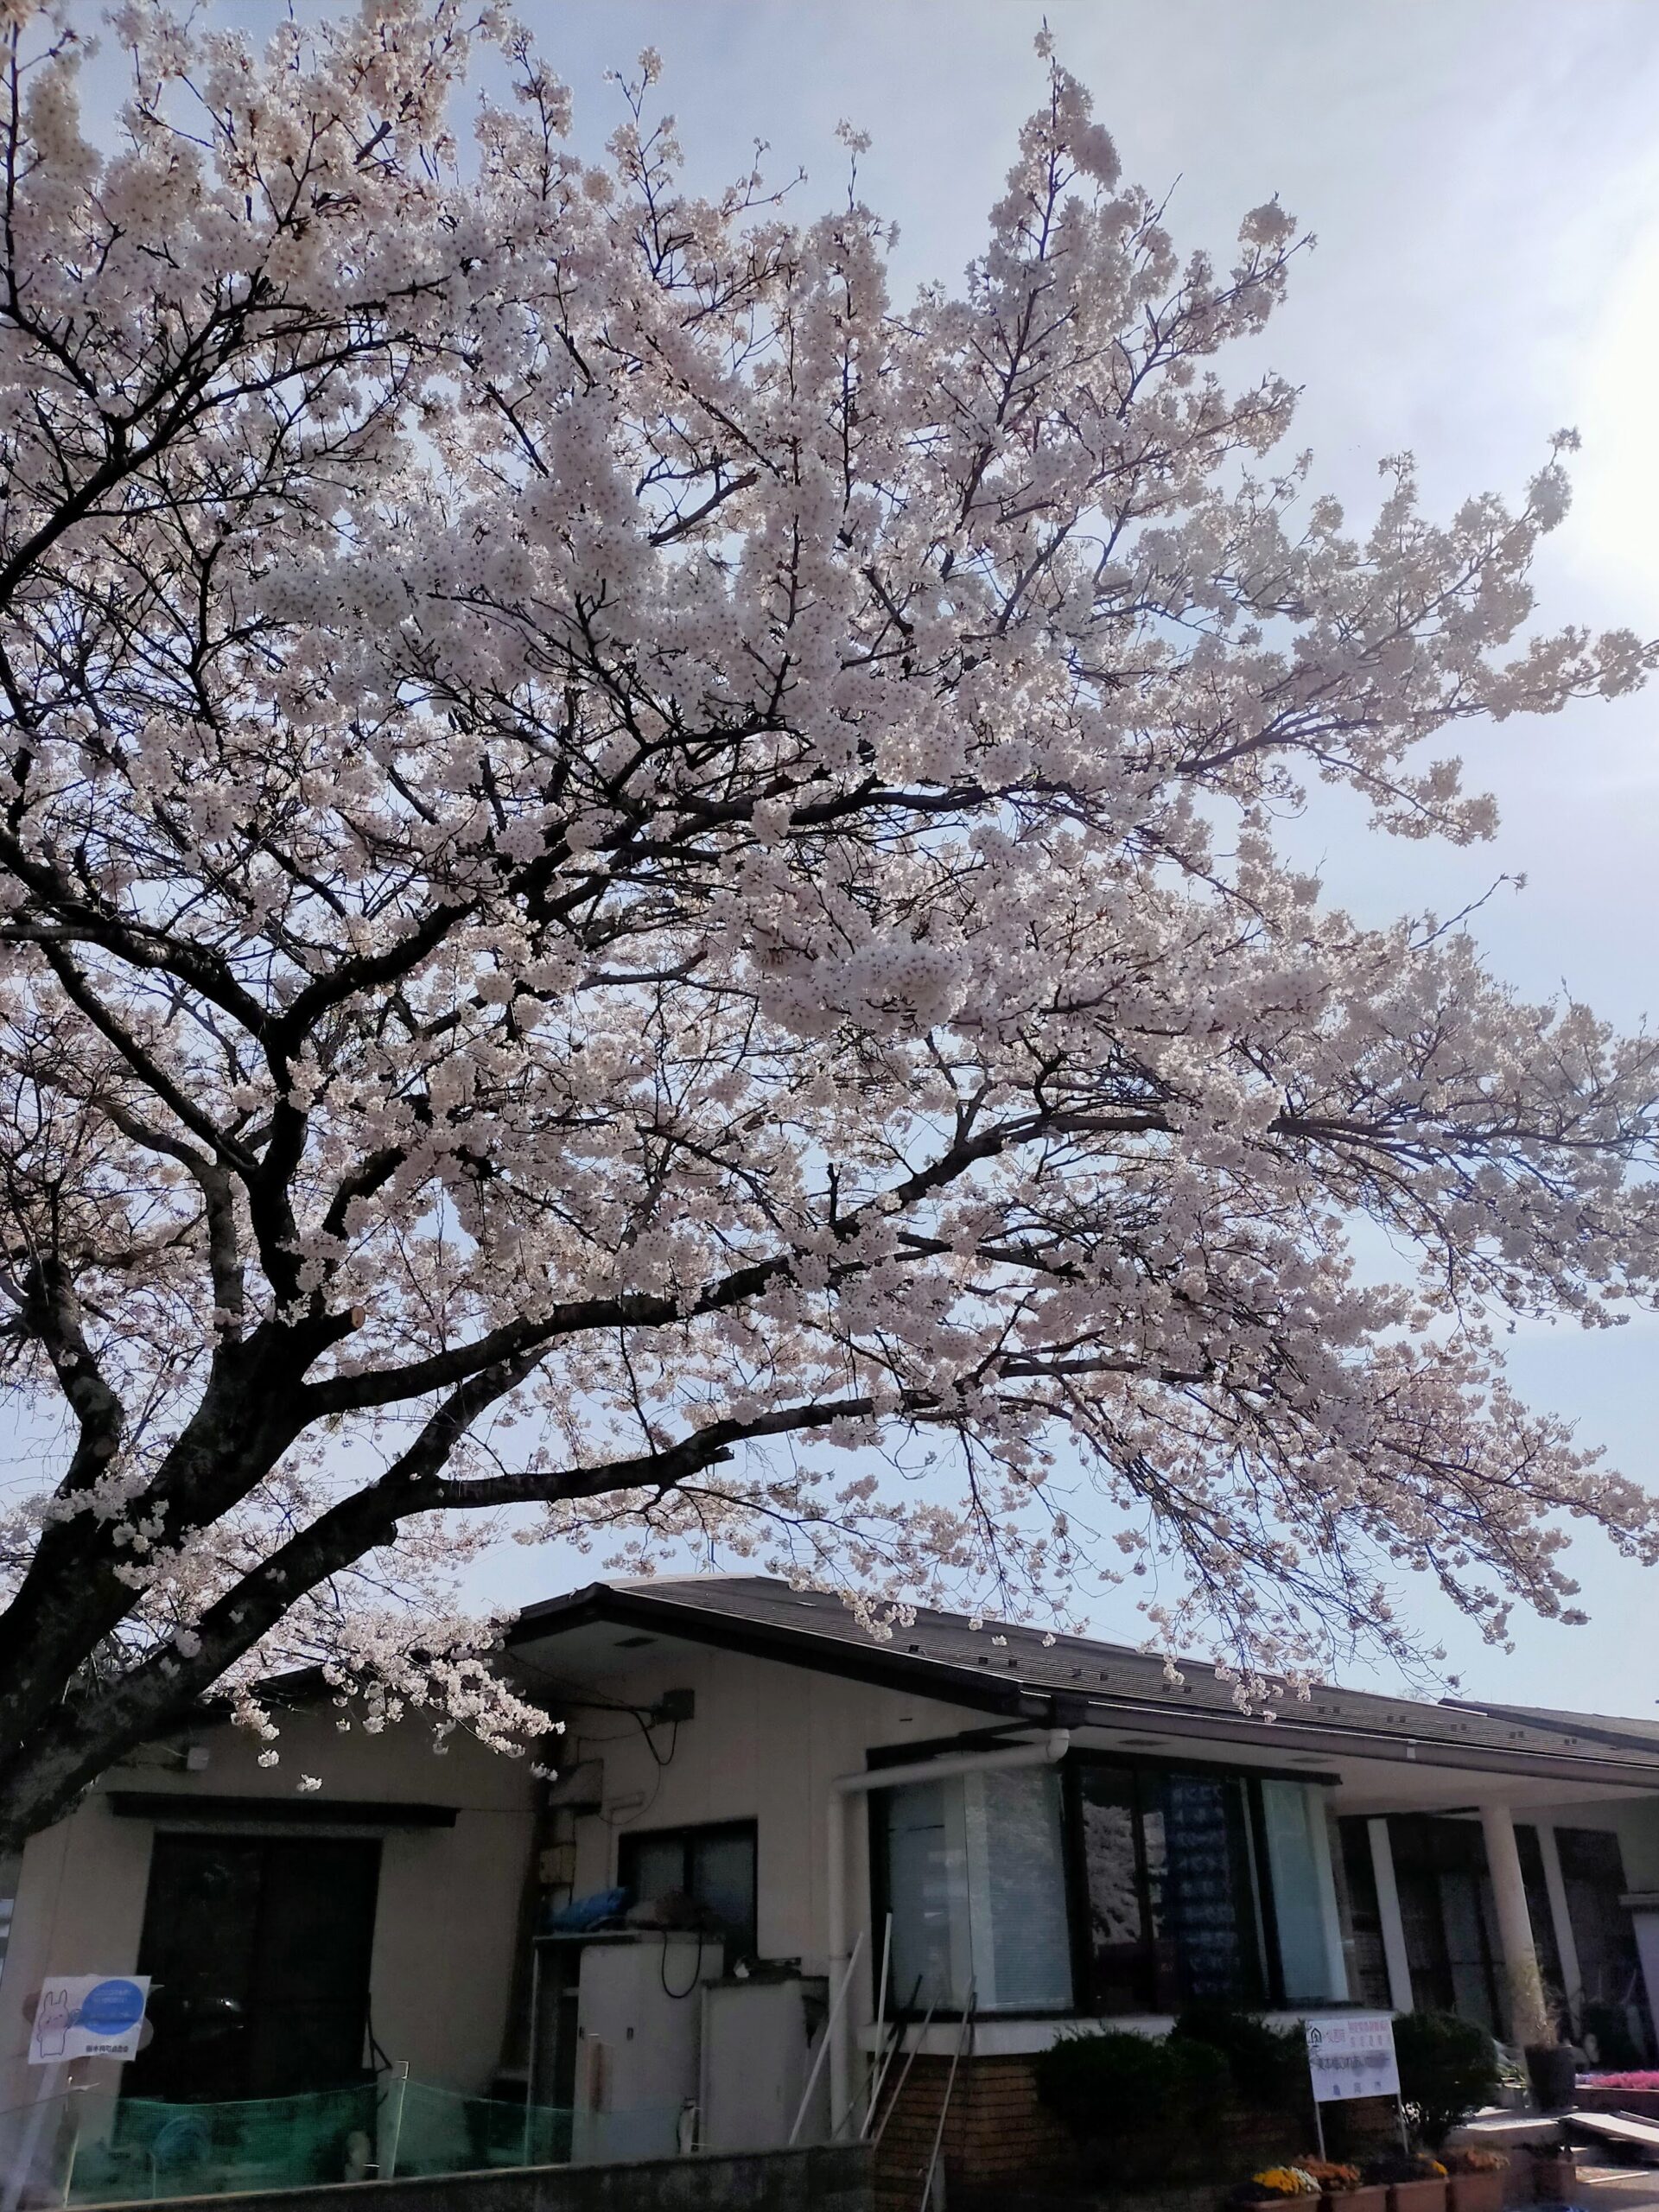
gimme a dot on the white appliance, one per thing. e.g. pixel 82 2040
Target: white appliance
pixel 758 2041
pixel 638 2035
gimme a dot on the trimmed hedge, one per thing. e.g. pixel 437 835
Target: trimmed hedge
pixel 1448 2068
pixel 1143 2108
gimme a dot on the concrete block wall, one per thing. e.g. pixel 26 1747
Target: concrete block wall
pixel 825 2177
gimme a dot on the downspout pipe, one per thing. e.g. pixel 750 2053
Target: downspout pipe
pixel 842 1789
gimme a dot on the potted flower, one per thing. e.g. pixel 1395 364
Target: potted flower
pixel 1475 2179
pixel 1273 2186
pixel 1339 2182
pixel 1414 2183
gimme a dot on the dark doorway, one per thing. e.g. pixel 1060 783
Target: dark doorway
pixel 258 1951
pixel 1447 1914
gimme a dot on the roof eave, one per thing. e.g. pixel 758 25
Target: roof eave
pixel 949 1684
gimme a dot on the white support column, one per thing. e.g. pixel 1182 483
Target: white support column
pixel 1566 1948
pixel 1387 1908
pixel 1528 2018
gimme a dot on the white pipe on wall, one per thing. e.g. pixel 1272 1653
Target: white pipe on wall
pixel 843 1789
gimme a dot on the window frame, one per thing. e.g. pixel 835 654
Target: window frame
pixel 1075 1876
pixel 1263 1928
pixel 687 1834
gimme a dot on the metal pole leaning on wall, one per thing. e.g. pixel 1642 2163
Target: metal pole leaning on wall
pixel 910 2060
pixel 945 2110
pixel 76 2092
pixel 823 2042
pixel 531 2052
pixel 397 2092
pixel 50 2092
pixel 880 2073
pixel 881 2016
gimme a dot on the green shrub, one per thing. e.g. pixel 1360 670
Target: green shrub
pixel 1448 2068
pixel 1268 2065
pixel 1144 2109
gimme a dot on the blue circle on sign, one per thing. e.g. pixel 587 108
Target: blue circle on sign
pixel 112 2008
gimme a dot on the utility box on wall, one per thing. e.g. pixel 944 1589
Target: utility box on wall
pixel 638 2033
pixel 760 2039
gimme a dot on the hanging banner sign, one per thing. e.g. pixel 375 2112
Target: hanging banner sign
pixel 1352 2056
pixel 88 2015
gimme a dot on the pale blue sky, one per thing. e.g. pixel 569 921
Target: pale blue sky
pixel 1483 180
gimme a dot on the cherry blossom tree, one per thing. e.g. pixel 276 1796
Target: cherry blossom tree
pixel 627 868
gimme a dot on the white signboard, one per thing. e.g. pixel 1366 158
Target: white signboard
pixel 88 2015
pixel 1352 2056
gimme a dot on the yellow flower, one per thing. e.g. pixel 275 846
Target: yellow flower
pixel 1287 2181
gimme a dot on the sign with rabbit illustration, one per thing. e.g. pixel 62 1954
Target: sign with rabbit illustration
pixel 88 2015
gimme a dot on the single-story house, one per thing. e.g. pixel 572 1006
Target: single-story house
pixel 1053 1829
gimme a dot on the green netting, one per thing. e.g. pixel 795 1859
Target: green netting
pixel 440 2132
pixel 84 2147
pixel 153 2149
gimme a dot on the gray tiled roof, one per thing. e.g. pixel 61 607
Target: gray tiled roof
pixel 1594 1727
pixel 1017 1662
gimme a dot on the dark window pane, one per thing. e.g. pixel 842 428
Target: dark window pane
pixel 199 1944
pixel 1369 1965
pixel 10 1872
pixel 1201 1891
pixel 1468 1947
pixel 1592 1874
pixel 1591 1855
pixel 1119 1950
pixel 1439 1868
pixel 658 1867
pixel 721 1869
pixel 927 1894
pixel 315 1932
pixel 1531 1856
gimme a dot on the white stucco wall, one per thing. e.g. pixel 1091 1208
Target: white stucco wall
pixel 765 1743
pixel 446 1920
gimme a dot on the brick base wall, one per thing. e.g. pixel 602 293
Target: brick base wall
pixel 1001 2144
pixel 996 2133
